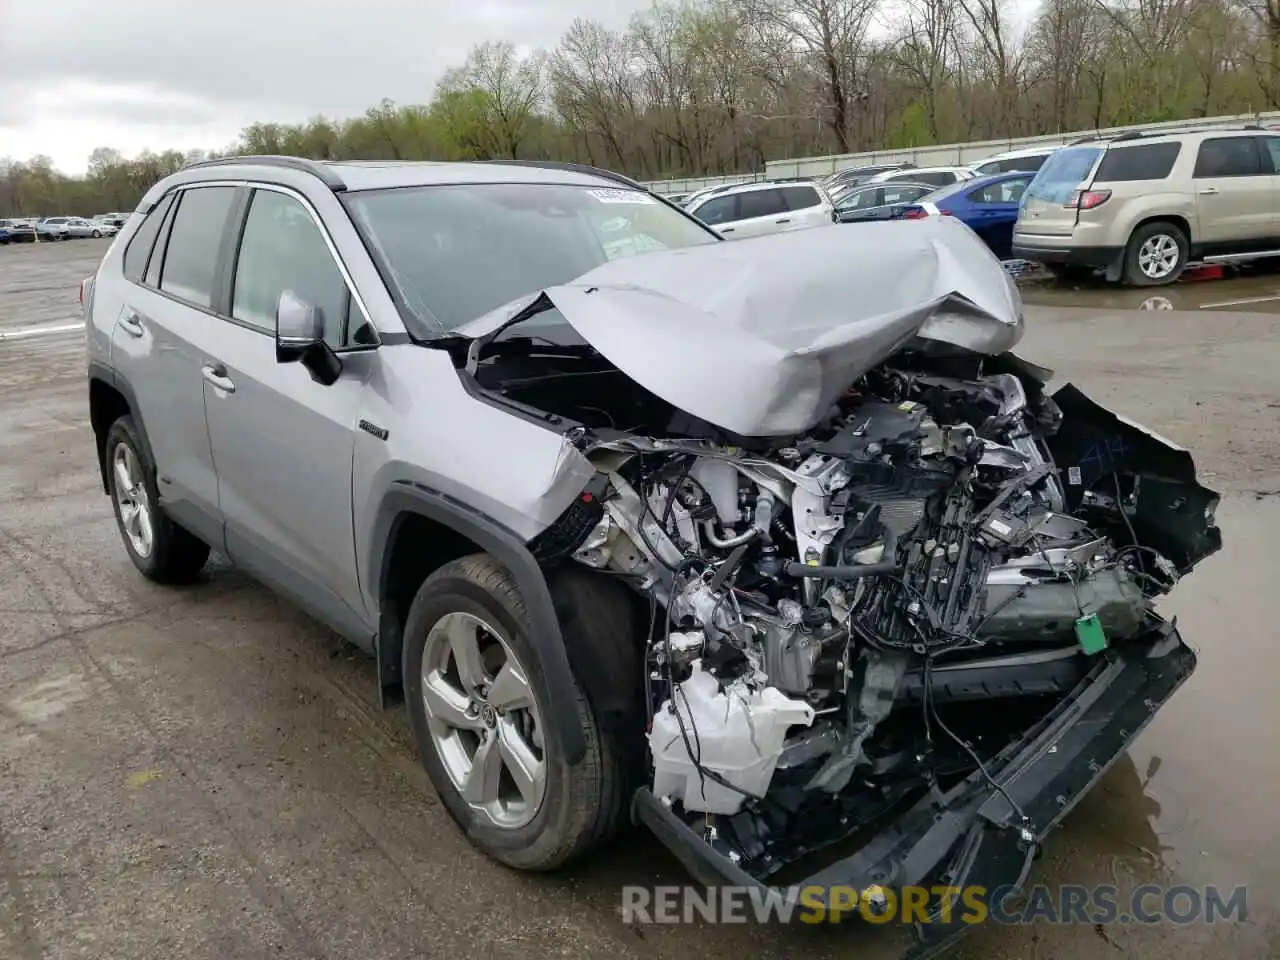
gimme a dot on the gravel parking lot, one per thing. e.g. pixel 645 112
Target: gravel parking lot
pixel 205 773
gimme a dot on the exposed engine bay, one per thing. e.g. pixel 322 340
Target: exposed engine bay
pixel 827 606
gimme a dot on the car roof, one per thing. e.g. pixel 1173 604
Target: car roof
pixel 915 171
pixel 731 189
pixel 351 175
pixel 1015 154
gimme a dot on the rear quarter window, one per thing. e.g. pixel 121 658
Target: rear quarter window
pixel 138 252
pixel 1147 161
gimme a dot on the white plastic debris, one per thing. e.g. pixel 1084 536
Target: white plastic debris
pixel 737 735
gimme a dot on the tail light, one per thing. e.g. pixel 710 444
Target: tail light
pixel 915 213
pixel 1088 199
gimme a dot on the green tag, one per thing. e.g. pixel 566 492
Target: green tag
pixel 1090 635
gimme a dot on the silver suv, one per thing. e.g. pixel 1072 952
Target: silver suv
pixel 738 537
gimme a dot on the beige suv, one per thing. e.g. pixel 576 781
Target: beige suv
pixel 1141 206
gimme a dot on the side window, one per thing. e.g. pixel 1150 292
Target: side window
pixel 282 249
pixel 191 256
pixel 1228 157
pixel 717 210
pixel 868 198
pixel 138 252
pixel 940 178
pixel 1148 161
pixel 1006 191
pixel 1273 153
pixel 902 194
pixel 800 198
pixel 761 203
pixel 152 278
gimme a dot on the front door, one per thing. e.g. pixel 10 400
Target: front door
pixel 282 442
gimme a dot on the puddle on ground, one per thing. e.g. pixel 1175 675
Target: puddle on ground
pixel 1249 293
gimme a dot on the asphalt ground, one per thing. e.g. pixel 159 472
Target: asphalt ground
pixel 205 773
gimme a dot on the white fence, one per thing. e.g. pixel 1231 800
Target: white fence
pixel 950 154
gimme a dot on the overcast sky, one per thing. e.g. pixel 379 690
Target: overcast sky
pixel 185 74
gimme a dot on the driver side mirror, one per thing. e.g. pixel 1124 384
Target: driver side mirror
pixel 300 337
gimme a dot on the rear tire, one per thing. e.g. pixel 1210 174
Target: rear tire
pixel 1156 255
pixel 97 234
pixel 562 812
pixel 162 550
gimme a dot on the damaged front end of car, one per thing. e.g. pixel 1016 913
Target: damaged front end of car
pixel 903 596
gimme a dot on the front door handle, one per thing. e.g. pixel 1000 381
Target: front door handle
pixel 131 322
pixel 1206 191
pixel 726 230
pixel 216 374
pixel 788 220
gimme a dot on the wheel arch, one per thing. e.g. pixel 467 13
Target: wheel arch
pixel 1176 219
pixel 110 398
pixel 418 529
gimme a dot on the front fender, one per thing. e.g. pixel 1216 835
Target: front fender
pixel 557 688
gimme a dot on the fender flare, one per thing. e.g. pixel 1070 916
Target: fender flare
pixel 558 688
pixel 101 372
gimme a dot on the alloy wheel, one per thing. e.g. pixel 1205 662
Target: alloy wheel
pixel 133 501
pixel 1158 256
pixel 483 720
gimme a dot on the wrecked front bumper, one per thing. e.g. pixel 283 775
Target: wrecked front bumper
pixel 970 837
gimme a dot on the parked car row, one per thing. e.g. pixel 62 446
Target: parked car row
pixel 1137 207
pixel 988 205
pixel 30 229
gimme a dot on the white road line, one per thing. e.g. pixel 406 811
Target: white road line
pixel 40 331
pixel 1238 303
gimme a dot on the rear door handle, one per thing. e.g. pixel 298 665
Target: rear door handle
pixel 783 221
pixel 727 230
pixel 131 322
pixel 216 374
pixel 1208 190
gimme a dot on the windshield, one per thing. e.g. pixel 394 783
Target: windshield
pixel 1062 173
pixel 454 253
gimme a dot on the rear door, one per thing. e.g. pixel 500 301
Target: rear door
pixel 1235 193
pixel 760 212
pixel 1046 208
pixel 807 207
pixel 993 210
pixel 166 321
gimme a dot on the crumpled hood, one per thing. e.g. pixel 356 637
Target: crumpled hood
pixel 760 336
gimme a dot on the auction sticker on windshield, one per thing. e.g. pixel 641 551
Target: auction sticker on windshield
pixel 621 196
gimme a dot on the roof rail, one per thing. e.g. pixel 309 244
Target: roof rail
pixel 323 171
pixel 584 168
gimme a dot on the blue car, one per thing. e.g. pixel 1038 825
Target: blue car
pixel 988 206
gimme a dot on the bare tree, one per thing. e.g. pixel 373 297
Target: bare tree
pixel 834 34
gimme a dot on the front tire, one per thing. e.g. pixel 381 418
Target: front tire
pixel 162 550
pixel 1156 255
pixel 97 234
pixel 471 678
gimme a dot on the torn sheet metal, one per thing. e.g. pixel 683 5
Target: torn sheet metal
pixel 760 336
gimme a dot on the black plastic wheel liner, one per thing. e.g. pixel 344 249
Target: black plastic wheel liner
pixel 973 838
